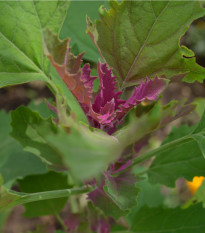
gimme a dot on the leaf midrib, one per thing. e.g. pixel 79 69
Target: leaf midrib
pixel 142 47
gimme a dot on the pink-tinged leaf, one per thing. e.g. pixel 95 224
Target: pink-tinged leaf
pixel 106 114
pixel 107 89
pixel 148 90
pixel 77 79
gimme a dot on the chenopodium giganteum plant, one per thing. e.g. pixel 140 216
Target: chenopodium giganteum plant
pixel 97 143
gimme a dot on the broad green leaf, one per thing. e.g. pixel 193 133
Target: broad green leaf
pixel 177 220
pixel 29 129
pixel 14 162
pixel 180 160
pixel 133 39
pixel 21 35
pixel 75 27
pixel 41 183
pixel 86 153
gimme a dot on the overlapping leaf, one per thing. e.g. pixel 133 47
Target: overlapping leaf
pixel 184 160
pixel 84 152
pixel 133 39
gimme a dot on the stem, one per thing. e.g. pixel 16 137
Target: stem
pixel 32 197
pixel 161 149
pixel 60 220
pixel 158 151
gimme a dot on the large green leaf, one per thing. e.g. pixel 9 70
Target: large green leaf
pixel 21 36
pixel 75 27
pixel 86 153
pixel 141 38
pixel 41 183
pixel 157 220
pixel 183 158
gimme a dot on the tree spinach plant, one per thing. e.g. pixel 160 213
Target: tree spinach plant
pixel 89 149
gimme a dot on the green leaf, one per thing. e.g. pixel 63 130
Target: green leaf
pixel 183 158
pixel 41 183
pixel 159 219
pixel 29 129
pixel 75 27
pixel 133 39
pixel 86 153
pixel 21 35
pixel 149 195
pixel 14 162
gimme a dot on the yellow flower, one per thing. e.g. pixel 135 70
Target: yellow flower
pixel 195 184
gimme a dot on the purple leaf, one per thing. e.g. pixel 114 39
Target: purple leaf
pixel 148 90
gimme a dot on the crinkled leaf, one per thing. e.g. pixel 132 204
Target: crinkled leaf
pixel 41 183
pixel 148 90
pixel 78 80
pixel 21 38
pixel 133 39
pixel 169 220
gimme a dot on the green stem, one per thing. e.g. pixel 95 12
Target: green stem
pixel 32 197
pixel 161 149
pixel 60 220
